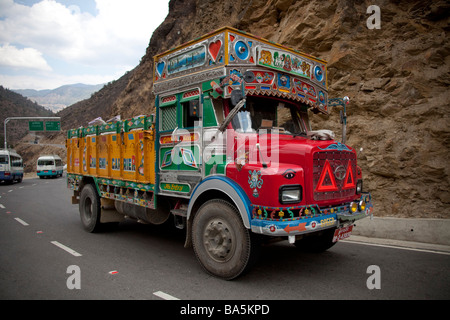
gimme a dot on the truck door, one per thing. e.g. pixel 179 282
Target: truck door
pixel 180 143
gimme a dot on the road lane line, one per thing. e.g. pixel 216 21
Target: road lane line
pixel 396 247
pixel 67 249
pixel 21 221
pixel 164 296
pixel 2 206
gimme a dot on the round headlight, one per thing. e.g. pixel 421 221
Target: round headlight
pixel 353 207
pixel 362 205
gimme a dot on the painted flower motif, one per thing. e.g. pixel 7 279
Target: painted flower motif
pixel 254 179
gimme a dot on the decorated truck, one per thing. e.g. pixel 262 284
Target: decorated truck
pixel 229 154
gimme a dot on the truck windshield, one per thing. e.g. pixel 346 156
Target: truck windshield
pixel 269 114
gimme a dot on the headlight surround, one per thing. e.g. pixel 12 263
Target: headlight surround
pixel 290 194
pixel 359 186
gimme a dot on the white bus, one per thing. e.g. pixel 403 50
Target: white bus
pixel 11 166
pixel 49 166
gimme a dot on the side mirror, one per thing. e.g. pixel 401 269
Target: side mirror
pixel 236 96
pixel 346 100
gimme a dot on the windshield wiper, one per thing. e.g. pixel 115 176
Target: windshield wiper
pixel 230 116
pixel 303 134
pixel 228 119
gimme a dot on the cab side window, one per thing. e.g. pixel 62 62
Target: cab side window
pixel 190 112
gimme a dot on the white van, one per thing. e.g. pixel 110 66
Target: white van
pixel 11 166
pixel 49 166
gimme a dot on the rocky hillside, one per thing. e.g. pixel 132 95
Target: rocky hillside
pixel 15 105
pixel 397 78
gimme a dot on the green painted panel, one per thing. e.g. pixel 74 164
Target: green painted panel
pixel 209 117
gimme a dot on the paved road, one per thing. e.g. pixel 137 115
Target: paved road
pixel 41 237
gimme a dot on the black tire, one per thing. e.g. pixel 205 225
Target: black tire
pixel 222 244
pixel 90 209
pixel 317 243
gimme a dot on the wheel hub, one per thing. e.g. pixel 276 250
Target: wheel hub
pixel 218 241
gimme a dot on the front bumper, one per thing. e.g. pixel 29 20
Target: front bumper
pixel 365 199
pixel 312 219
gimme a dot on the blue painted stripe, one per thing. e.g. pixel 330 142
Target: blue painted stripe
pixel 242 195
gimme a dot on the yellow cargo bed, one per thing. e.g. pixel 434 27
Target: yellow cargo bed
pixel 121 151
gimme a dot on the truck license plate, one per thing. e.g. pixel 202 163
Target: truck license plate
pixel 342 233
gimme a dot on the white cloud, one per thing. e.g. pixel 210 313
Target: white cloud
pixel 115 37
pixel 119 29
pixel 29 58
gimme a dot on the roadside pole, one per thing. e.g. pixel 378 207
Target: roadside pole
pixel 30 118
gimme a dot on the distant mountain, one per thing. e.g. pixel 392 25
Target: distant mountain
pixel 59 98
pixel 100 104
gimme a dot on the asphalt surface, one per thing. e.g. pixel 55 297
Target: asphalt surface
pixel 42 242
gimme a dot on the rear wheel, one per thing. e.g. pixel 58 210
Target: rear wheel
pixel 222 244
pixel 90 208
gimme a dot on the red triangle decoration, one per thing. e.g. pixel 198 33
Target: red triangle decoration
pixel 349 181
pixel 326 172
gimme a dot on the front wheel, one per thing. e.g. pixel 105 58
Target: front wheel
pixel 90 209
pixel 222 244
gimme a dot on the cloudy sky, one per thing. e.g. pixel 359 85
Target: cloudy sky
pixel 45 44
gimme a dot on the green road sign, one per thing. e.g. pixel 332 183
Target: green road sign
pixel 36 125
pixel 52 126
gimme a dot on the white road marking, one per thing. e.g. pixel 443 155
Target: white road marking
pixel 10 191
pixel 72 252
pixel 2 206
pixel 397 247
pixel 21 221
pixel 164 296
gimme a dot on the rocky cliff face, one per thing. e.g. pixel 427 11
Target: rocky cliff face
pixel 397 78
